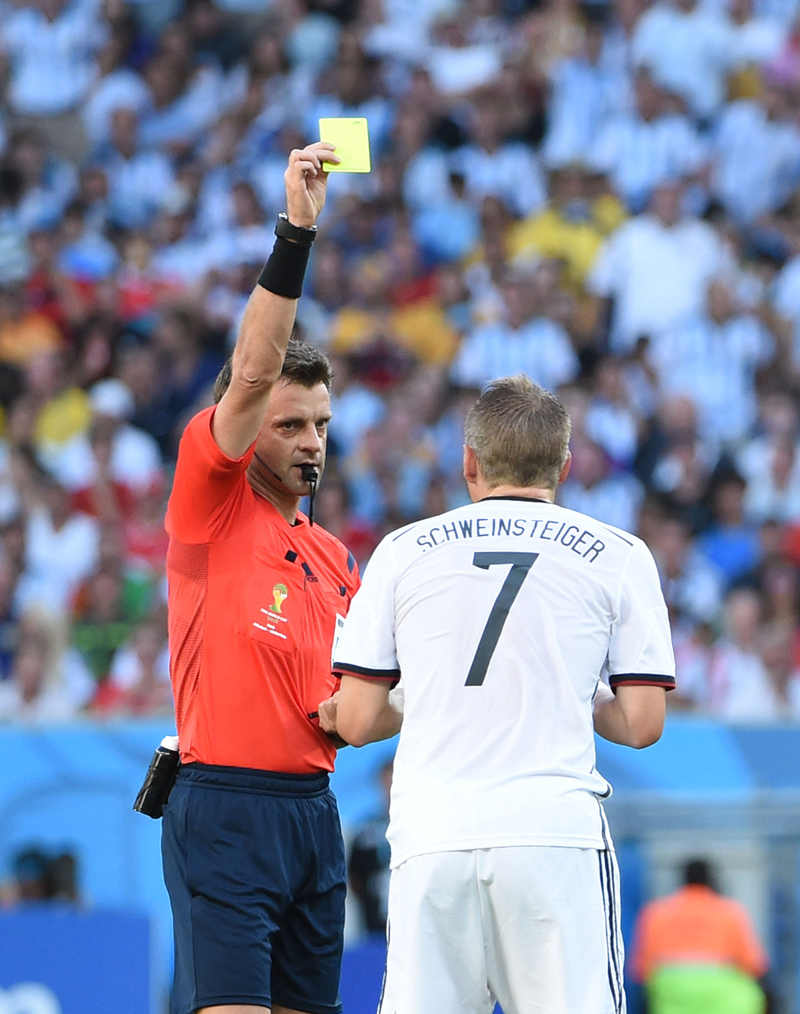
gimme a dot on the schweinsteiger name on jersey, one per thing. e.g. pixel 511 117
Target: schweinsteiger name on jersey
pixel 580 540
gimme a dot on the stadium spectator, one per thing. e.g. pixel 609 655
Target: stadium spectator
pixel 739 685
pixel 692 586
pixel 449 228
pixel 101 621
pixel 458 65
pixel 49 50
pixel 756 154
pixel 38 875
pixel 46 683
pixel 585 91
pixel 138 676
pixel 594 489
pixel 686 46
pixel 757 38
pixel 713 357
pixel 656 268
pixel 61 545
pixel 641 148
pixel 493 165
pixel 116 84
pixel 567 230
pixel 138 180
pixel 111 450
pixel 729 542
pixel 613 418
pixel 697 952
pixel 48 180
pixel 527 340
pixel 23 333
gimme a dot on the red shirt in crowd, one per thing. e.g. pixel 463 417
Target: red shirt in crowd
pixel 254 607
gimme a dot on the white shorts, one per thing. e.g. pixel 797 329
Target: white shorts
pixel 535 928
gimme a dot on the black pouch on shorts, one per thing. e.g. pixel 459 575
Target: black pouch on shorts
pixel 158 782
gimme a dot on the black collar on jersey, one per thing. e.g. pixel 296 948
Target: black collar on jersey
pixel 525 499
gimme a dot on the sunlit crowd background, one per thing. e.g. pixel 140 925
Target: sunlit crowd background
pixel 604 195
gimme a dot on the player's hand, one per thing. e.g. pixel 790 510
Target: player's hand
pixel 327 720
pixel 327 714
pixel 307 182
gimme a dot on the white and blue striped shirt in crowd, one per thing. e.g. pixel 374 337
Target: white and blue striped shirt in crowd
pixel 500 174
pixel 715 365
pixel 540 348
pixel 137 186
pixel 52 62
pixel 638 154
pixel 786 299
pixel 756 160
pixel 582 97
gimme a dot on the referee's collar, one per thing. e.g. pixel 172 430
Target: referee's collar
pixel 524 499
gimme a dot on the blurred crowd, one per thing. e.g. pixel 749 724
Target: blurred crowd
pixel 604 195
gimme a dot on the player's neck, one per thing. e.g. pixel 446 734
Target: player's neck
pixel 482 492
pixel 286 504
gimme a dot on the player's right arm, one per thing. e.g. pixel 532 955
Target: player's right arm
pixel 364 710
pixel 640 659
pixel 269 318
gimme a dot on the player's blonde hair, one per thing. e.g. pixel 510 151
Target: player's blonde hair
pixel 519 433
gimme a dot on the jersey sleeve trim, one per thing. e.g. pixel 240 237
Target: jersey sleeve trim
pixel 379 675
pixel 641 679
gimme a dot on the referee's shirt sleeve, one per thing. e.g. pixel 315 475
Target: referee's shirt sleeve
pixel 366 647
pixel 640 652
pixel 210 496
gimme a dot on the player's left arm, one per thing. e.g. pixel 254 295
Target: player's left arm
pixel 633 717
pixel 362 711
pixel 640 658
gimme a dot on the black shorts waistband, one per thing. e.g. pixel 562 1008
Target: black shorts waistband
pixel 270 783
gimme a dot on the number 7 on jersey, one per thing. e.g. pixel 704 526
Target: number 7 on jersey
pixel 521 563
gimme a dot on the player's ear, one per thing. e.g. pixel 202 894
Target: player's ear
pixel 565 468
pixel 470 465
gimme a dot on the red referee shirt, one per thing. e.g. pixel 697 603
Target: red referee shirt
pixel 254 606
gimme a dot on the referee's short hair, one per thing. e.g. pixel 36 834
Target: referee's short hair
pixel 303 364
pixel 519 433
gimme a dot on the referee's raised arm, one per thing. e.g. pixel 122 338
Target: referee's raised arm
pixel 270 312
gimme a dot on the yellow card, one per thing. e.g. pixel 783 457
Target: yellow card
pixel 351 137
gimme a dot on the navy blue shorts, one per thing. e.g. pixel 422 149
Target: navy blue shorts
pixel 255 869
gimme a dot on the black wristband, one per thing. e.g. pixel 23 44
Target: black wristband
pixel 300 233
pixel 285 270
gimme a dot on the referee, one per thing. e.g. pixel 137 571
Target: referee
pixel 252 848
pixel 502 617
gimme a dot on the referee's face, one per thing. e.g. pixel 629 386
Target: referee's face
pixel 294 433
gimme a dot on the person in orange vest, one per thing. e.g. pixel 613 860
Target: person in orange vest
pixel 697 952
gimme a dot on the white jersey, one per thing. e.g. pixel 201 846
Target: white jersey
pixel 501 617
